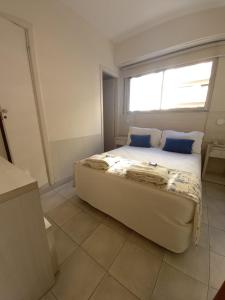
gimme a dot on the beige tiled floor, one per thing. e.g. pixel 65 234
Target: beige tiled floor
pixel 101 259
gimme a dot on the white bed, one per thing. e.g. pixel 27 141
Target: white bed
pixel 165 218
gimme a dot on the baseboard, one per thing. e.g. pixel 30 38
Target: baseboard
pixel 47 188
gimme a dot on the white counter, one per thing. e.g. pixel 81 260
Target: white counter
pixel 13 181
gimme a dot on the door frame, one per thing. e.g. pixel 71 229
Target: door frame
pixel 4 138
pixel 114 74
pixel 36 85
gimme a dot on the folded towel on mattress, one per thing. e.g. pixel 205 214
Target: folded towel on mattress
pixel 101 161
pixel 144 172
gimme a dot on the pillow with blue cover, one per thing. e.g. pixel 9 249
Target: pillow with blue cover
pixel 178 145
pixel 140 140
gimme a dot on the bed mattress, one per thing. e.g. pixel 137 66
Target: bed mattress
pixel 184 162
pixel 165 218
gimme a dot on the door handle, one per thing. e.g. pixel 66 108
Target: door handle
pixel 3 113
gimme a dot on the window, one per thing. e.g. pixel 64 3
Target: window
pixel 178 88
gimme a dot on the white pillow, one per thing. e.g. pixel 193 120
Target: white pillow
pixel 197 136
pixel 153 132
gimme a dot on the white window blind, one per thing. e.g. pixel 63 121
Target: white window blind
pixel 176 88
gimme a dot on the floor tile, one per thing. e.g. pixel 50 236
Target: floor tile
pixel 217 219
pixel 204 236
pixel 117 226
pixel 95 213
pixel 63 212
pixel 88 208
pixel 67 190
pixel 79 202
pixel 218 204
pixel 211 293
pixel 205 215
pixel 217 240
pixel 194 262
pixel 136 269
pixel 103 245
pixel 80 227
pixel 50 200
pixel 146 244
pixel 214 190
pixel 49 296
pixel 217 270
pixel 78 278
pixel 204 195
pixel 174 285
pixel 110 289
pixel 64 245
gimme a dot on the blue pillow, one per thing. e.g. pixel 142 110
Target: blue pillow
pixel 178 145
pixel 140 140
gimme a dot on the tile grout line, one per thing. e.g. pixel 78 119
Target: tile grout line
pixel 54 294
pixel 107 270
pixel 118 253
pixel 126 288
pixel 174 267
pixel 157 278
pixel 199 281
pixel 162 262
pixel 92 293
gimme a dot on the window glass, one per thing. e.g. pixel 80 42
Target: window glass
pixel 186 87
pixel 177 88
pixel 145 92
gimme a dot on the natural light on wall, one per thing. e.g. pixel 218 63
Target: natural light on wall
pixel 178 88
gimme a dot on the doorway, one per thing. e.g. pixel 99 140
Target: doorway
pixel 20 122
pixel 109 96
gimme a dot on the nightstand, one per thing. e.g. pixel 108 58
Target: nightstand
pixel 120 141
pixel 218 152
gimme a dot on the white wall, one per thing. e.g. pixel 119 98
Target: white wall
pixel 182 121
pixel 181 31
pixel 69 54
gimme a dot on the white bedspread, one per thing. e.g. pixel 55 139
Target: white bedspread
pixel 165 218
pixel 184 162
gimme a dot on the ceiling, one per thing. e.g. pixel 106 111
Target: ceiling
pixel 119 19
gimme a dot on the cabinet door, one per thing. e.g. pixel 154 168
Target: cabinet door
pixel 26 271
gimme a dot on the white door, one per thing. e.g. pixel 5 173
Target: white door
pixel 17 97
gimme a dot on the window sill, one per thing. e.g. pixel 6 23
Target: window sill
pixel 183 110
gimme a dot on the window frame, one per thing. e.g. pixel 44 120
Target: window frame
pixel 214 61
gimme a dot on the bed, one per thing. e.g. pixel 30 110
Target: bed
pixel 164 218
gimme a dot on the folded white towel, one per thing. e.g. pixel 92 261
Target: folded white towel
pixel 101 161
pixel 149 174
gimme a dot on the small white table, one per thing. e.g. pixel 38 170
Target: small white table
pixel 120 141
pixel 214 151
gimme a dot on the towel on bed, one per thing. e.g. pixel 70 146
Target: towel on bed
pixel 101 161
pixel 144 172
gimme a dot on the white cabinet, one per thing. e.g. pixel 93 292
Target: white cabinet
pixel 26 271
